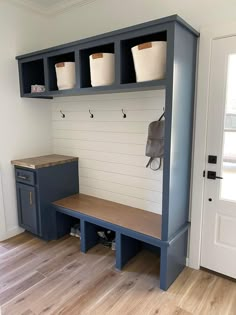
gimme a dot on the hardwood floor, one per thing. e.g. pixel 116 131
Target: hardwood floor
pixel 55 278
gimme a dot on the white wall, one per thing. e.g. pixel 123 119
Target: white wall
pixel 107 15
pixel 111 149
pixel 25 126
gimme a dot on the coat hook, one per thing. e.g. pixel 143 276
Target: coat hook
pixel 62 114
pixel 124 114
pixel 91 115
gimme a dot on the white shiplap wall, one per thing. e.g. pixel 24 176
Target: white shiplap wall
pixel 111 149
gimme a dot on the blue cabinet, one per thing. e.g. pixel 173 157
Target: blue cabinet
pixel 37 188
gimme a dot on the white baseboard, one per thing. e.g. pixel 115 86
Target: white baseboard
pixel 187 261
pixel 10 233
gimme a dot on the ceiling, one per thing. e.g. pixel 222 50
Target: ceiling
pixel 50 7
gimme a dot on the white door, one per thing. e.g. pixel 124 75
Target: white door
pixel 219 218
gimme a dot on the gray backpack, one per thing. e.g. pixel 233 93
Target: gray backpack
pixel 155 142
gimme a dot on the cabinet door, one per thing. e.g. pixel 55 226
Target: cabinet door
pixel 27 207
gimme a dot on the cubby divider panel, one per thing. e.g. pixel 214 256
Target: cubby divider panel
pixel 84 61
pixel 65 57
pixel 128 247
pixel 64 223
pixel 127 64
pixel 89 235
pixel 33 73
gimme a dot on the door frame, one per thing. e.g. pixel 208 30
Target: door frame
pixel 207 35
pixel 3 228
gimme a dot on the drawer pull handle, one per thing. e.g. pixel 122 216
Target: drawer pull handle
pixel 23 177
pixel 30 198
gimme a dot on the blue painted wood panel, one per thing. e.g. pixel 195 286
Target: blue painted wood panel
pixel 27 207
pixel 89 236
pixel 54 183
pixel 126 248
pixel 173 260
pixel 178 130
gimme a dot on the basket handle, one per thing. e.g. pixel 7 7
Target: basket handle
pixel 144 46
pixel 97 56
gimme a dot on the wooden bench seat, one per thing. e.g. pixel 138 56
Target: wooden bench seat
pixel 138 220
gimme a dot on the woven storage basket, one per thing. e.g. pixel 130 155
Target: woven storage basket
pixel 65 72
pixel 102 69
pixel 150 61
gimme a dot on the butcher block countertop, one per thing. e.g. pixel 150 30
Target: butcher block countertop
pixel 44 161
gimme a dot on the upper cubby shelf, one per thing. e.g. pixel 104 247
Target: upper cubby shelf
pixel 127 63
pixel 33 73
pixel 84 64
pixel 110 54
pixel 55 60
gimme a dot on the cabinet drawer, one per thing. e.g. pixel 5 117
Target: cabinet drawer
pixel 24 176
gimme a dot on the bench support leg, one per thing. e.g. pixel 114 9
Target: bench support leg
pixel 126 248
pixel 89 237
pixel 57 225
pixel 173 261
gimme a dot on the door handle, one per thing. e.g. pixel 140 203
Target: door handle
pixel 30 198
pixel 212 175
pixel 22 177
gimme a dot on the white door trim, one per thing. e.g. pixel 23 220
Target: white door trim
pixel 206 37
pixel 3 229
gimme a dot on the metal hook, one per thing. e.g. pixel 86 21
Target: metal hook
pixel 62 114
pixel 124 114
pixel 91 115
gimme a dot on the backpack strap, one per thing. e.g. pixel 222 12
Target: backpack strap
pixel 150 164
pixel 163 115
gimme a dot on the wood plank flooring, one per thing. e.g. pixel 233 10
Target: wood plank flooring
pixel 39 278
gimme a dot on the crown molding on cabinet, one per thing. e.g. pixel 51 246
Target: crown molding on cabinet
pixel 53 8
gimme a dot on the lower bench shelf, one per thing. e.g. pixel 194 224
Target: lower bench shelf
pixel 132 227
